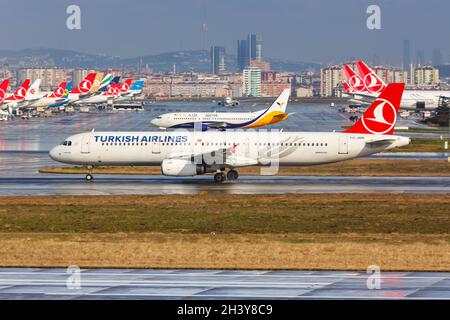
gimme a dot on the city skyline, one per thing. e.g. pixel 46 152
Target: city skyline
pixel 292 30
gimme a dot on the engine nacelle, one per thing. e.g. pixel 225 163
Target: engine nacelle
pixel 181 167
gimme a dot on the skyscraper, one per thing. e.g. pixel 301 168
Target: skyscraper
pixel 247 50
pixel 420 58
pixel 217 60
pixel 251 82
pixel 436 58
pixel 406 55
pixel 243 58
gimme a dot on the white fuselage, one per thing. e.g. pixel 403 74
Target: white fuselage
pixel 100 98
pixel 410 98
pixel 251 148
pixel 187 119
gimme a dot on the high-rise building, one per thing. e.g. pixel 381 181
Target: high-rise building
pixel 436 58
pixel 51 77
pixel 420 58
pixel 248 50
pixel 217 60
pixel 258 56
pixel 243 59
pixel 251 82
pixel 330 78
pixel 406 55
pixel 78 75
pixel 426 75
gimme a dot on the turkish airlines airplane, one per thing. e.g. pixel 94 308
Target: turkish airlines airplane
pixel 83 89
pixel 190 153
pixel 113 91
pixel 57 96
pixel 18 96
pixel 3 88
pixel 365 87
pixel 226 120
pixel 135 90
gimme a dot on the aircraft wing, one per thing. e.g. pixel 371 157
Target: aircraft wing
pixel 226 156
pixel 217 125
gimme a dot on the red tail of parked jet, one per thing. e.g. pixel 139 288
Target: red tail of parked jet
pixel 372 82
pixel 59 92
pixel 125 86
pixel 20 93
pixel 381 116
pixel 354 82
pixel 85 86
pixel 113 90
pixel 3 88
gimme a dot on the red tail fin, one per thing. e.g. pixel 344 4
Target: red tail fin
pixel 381 116
pixel 21 92
pixel 3 88
pixel 354 81
pixel 347 88
pixel 59 92
pixel 372 82
pixel 113 90
pixel 126 86
pixel 85 85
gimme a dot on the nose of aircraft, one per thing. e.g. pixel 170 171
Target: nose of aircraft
pixel 54 153
pixel 155 122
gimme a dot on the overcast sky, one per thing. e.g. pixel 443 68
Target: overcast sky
pixel 301 30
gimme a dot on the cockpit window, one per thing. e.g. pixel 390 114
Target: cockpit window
pixel 67 143
pixel 158 117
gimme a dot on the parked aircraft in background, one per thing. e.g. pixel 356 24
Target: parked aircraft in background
pixel 226 120
pixel 196 152
pixel 365 88
pixel 57 96
pixel 83 89
pixel 18 96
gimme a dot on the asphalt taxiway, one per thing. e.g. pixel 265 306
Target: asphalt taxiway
pixel 39 283
pixel 156 185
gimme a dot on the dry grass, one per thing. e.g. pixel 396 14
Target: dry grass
pixel 370 167
pixel 268 251
pixel 314 231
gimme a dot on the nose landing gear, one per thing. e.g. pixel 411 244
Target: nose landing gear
pixel 89 176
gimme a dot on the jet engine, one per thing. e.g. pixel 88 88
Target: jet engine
pixel 181 167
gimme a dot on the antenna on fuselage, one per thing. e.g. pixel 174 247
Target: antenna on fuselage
pixel 93 130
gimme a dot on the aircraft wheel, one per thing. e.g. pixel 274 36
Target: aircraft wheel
pixel 232 175
pixel 219 177
pixel 89 177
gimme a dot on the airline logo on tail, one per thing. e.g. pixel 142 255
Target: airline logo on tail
pixel 126 86
pixel 85 85
pixel 3 88
pixel 381 116
pixel 21 92
pixel 372 82
pixel 59 92
pixel 355 83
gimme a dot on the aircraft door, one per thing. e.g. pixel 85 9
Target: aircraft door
pixel 343 145
pixel 85 144
pixel 156 147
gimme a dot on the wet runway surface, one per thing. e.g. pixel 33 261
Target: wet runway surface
pixel 125 184
pixel 36 283
pixel 20 176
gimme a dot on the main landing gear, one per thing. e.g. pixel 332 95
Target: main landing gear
pixel 89 176
pixel 220 177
